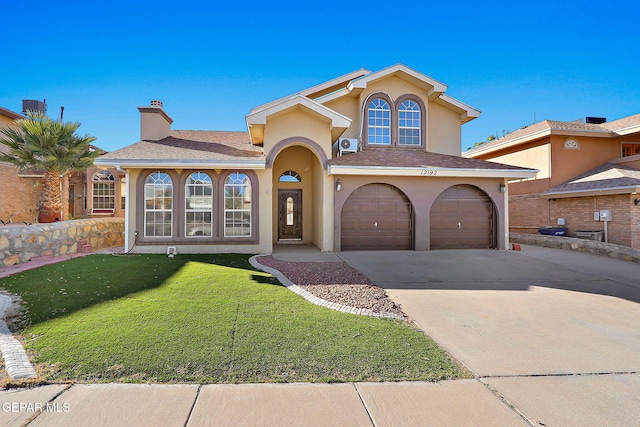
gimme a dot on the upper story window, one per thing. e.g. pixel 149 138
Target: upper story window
pixel 379 122
pixel 104 196
pixel 237 205
pixel 409 123
pixel 198 205
pixel 158 205
pixel 399 123
pixel 290 176
pixel 630 149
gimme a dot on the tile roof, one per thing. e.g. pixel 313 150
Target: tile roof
pixel 415 158
pixel 605 177
pixel 192 145
pixel 547 125
pixel 623 123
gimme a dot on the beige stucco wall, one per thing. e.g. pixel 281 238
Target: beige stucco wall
pixel 537 157
pixel 297 123
pixel 350 107
pixel 444 132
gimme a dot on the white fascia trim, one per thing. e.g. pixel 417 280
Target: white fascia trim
pixel 362 83
pixel 433 172
pixel 628 130
pixel 471 112
pixel 153 163
pixel 317 88
pixel 337 119
pixel 592 192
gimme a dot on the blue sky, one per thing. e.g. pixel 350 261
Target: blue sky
pixel 210 62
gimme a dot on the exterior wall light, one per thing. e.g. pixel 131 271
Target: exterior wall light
pixel 503 188
pixel 338 185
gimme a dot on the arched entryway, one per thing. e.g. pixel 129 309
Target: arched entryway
pixel 376 217
pixel 462 217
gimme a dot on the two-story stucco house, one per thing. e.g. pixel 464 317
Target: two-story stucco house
pixel 369 160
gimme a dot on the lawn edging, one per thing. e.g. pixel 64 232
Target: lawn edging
pixel 317 300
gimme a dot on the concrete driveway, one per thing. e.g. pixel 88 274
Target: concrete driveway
pixel 556 333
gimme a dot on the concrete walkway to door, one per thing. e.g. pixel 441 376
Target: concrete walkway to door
pixel 555 333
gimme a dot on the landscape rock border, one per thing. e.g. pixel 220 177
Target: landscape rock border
pixel 317 300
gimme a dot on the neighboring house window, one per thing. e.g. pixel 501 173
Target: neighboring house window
pixel 237 205
pixel 409 123
pixel 198 205
pixel 158 205
pixel 630 150
pixel 103 191
pixel 379 122
pixel 290 176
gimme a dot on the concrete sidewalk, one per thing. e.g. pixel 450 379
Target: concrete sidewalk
pixel 461 402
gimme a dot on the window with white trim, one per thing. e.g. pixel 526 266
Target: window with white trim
pixel 409 123
pixel 379 122
pixel 630 149
pixel 103 191
pixel 198 191
pixel 237 205
pixel 158 205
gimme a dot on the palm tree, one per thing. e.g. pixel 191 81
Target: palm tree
pixel 52 146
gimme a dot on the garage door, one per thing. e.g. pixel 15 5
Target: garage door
pixel 462 217
pixel 376 217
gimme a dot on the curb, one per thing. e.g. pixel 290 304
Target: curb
pixel 317 300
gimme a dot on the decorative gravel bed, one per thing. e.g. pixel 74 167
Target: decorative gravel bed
pixel 336 282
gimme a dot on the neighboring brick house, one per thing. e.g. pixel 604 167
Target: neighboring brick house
pixel 90 193
pixel 584 167
pixel 368 160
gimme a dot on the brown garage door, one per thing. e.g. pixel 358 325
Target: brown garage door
pixel 462 218
pixel 376 217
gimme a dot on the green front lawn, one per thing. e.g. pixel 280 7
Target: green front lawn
pixel 205 319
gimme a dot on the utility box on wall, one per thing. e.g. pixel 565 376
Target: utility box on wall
pixel 603 215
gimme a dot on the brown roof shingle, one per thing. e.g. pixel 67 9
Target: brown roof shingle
pixel 415 158
pixel 192 145
pixel 605 177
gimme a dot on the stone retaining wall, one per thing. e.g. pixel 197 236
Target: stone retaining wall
pixel 20 243
pixel 581 245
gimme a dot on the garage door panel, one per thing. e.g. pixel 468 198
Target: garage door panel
pixel 462 217
pixel 376 216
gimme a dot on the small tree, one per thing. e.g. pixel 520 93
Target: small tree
pixel 52 146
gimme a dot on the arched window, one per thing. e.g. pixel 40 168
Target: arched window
pixel 158 205
pixel 103 191
pixel 198 191
pixel 409 123
pixel 290 176
pixel 237 205
pixel 379 122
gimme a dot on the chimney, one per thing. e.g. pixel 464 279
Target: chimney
pixel 155 124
